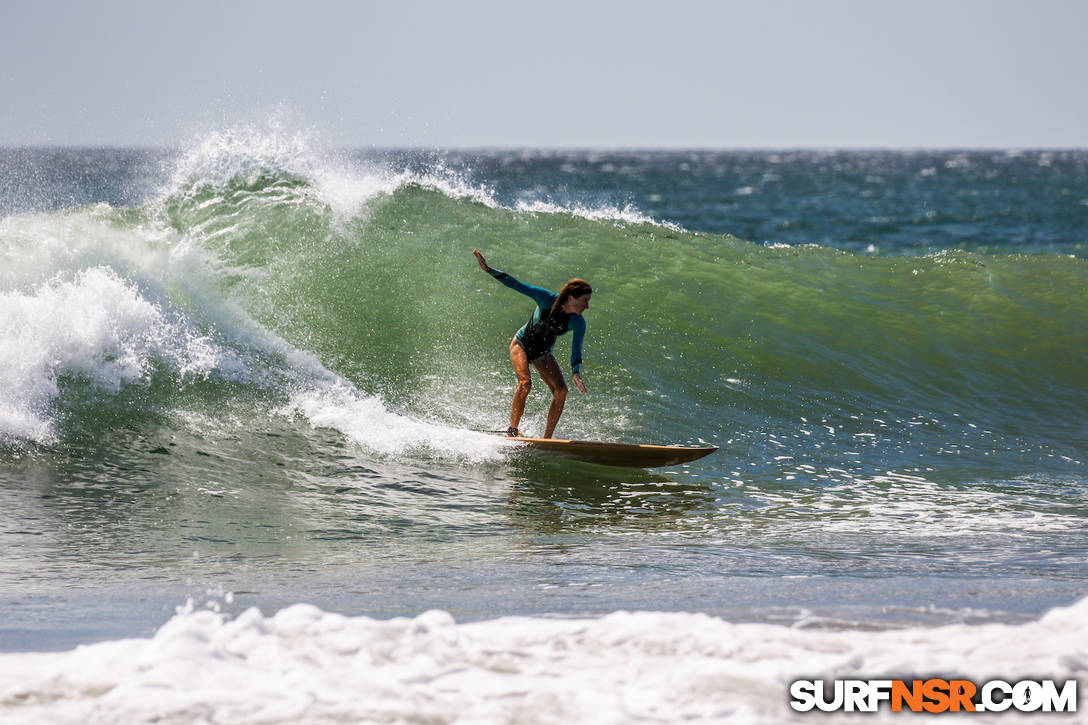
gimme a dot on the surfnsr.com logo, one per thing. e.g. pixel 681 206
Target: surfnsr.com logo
pixel 934 695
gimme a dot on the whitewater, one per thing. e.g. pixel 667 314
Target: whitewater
pixel 306 665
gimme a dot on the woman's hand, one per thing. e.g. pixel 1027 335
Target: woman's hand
pixel 480 259
pixel 577 378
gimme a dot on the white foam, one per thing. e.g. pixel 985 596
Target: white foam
pixel 627 215
pixel 35 248
pixel 304 665
pixel 331 402
pixel 94 326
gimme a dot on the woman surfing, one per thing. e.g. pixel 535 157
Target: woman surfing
pixel 555 315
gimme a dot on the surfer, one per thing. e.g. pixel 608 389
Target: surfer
pixel 555 314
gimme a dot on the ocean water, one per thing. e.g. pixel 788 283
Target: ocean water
pixel 242 384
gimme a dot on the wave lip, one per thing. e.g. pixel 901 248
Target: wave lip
pixel 626 215
pixel 247 154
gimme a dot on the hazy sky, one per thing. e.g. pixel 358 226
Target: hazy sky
pixel 550 73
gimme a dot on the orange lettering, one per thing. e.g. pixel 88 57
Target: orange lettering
pixel 961 692
pixel 936 691
pixel 911 695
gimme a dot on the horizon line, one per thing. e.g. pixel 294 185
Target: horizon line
pixel 576 148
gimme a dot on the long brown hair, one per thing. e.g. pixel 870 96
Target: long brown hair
pixel 574 288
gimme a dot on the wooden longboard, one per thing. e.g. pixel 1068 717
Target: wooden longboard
pixel 634 455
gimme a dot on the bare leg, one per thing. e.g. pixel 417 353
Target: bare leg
pixel 525 382
pixel 551 373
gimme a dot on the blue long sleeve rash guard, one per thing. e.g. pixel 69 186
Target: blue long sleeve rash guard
pixel 544 300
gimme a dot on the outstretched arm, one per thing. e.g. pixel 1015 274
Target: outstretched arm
pixel 480 259
pixel 541 296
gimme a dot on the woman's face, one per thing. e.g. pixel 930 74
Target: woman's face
pixel 577 305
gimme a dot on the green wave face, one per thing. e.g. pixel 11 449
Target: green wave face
pixel 690 335
pixel 291 279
